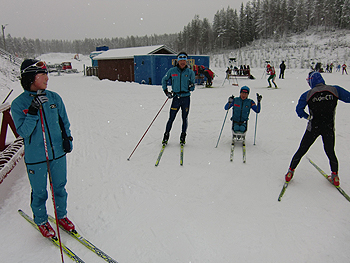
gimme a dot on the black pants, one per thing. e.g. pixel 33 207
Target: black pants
pixel 184 104
pixel 281 74
pixel 309 138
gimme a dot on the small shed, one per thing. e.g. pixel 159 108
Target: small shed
pixel 118 64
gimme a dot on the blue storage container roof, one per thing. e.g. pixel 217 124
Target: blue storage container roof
pixel 126 53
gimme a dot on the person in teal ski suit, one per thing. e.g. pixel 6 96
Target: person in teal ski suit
pixel 182 83
pixel 25 111
pixel 241 109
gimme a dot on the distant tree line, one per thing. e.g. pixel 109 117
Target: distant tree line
pixel 230 29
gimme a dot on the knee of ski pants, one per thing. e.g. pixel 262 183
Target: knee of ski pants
pixel 37 174
pixel 59 175
pixel 241 128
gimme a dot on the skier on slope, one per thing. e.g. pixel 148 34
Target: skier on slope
pixel 322 102
pixel 241 109
pixel 26 116
pixel 182 83
pixel 271 71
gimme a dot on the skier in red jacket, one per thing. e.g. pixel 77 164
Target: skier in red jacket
pixel 271 71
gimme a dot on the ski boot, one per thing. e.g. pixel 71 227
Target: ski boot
pixel 289 175
pixel 66 224
pixel 334 178
pixel 46 230
pixel 165 138
pixel 182 138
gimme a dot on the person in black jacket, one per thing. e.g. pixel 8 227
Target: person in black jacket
pixel 322 101
pixel 282 69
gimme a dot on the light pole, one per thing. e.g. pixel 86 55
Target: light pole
pixel 3 34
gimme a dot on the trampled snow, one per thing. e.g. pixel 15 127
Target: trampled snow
pixel 210 210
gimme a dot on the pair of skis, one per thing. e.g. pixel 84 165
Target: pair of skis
pixel 340 190
pixel 162 150
pixel 243 147
pixel 74 234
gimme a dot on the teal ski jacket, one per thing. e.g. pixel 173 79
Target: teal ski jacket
pixel 241 109
pixel 29 127
pixel 182 81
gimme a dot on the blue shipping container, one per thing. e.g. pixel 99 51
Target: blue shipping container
pixel 150 69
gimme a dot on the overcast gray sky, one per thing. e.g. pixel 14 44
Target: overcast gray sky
pixel 79 19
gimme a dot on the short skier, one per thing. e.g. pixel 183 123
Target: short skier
pixel 182 83
pixel 241 109
pixel 26 114
pixel 322 102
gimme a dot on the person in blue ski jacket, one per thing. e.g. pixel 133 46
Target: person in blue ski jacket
pixel 322 101
pixel 26 112
pixel 241 109
pixel 182 83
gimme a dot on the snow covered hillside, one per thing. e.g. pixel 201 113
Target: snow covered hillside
pixel 298 51
pixel 210 209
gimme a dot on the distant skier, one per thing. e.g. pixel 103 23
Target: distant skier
pixel 271 71
pixel 322 102
pixel 282 69
pixel 182 83
pixel 338 68
pixel 26 115
pixel 241 109
pixel 344 69
pixel 210 76
pixel 318 67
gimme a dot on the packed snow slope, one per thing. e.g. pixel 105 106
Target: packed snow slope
pixel 208 210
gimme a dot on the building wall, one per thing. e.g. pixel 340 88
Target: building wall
pixel 150 69
pixel 117 69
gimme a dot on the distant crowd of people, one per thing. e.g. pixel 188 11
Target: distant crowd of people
pixel 329 68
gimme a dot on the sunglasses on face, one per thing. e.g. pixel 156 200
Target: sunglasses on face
pixel 182 57
pixel 35 66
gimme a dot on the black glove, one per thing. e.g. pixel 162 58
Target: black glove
pixel 191 87
pixel 67 144
pixel 230 99
pixel 258 97
pixel 170 95
pixel 37 101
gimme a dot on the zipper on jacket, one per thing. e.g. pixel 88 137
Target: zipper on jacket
pixel 49 135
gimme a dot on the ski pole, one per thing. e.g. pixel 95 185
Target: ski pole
pixel 50 179
pixel 223 125
pixel 221 129
pixel 256 119
pixel 147 129
pixel 8 95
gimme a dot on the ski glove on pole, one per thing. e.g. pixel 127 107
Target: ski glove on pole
pixel 230 99
pixel 37 101
pixel 170 95
pixel 258 97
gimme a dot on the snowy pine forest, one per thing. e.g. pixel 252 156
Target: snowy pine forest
pixel 257 21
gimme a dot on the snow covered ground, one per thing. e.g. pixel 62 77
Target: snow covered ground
pixel 209 210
